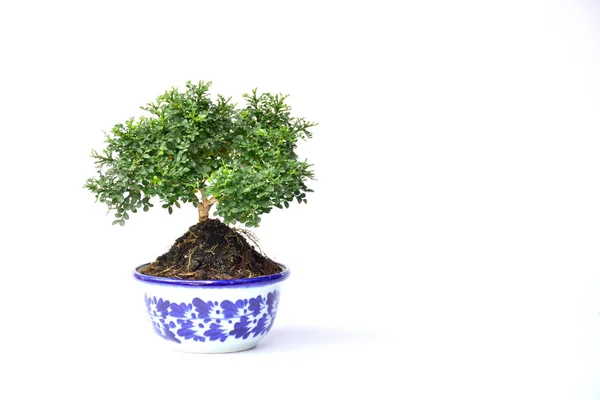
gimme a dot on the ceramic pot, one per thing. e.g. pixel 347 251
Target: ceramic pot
pixel 211 316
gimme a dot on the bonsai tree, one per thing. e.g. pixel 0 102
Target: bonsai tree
pixel 190 149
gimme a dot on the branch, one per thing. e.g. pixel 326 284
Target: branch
pixel 212 200
pixel 206 200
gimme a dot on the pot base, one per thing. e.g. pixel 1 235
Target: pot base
pixel 232 349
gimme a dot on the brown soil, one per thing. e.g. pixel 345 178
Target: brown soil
pixel 211 250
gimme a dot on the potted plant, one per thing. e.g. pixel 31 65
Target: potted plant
pixel 212 292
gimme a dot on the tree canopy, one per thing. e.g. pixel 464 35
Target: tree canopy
pixel 191 149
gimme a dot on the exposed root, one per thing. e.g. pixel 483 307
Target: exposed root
pixel 212 249
pixel 249 235
pixel 189 257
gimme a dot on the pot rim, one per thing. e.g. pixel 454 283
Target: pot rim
pixel 280 276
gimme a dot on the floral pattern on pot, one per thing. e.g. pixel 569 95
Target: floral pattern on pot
pixel 210 320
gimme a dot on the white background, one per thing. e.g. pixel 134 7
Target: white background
pixel 450 250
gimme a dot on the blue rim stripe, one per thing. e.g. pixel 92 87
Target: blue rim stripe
pixel 280 276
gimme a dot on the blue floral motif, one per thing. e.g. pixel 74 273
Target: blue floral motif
pixel 261 326
pixel 271 299
pixel 241 328
pixel 202 307
pixel 191 330
pixel 256 305
pixel 216 332
pixel 182 310
pixel 203 321
pixel 230 309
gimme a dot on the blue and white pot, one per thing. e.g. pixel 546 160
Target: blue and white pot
pixel 212 316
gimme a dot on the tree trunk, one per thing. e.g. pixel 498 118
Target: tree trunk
pixel 203 210
pixel 204 206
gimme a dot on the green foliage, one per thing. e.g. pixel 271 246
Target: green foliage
pixel 244 157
